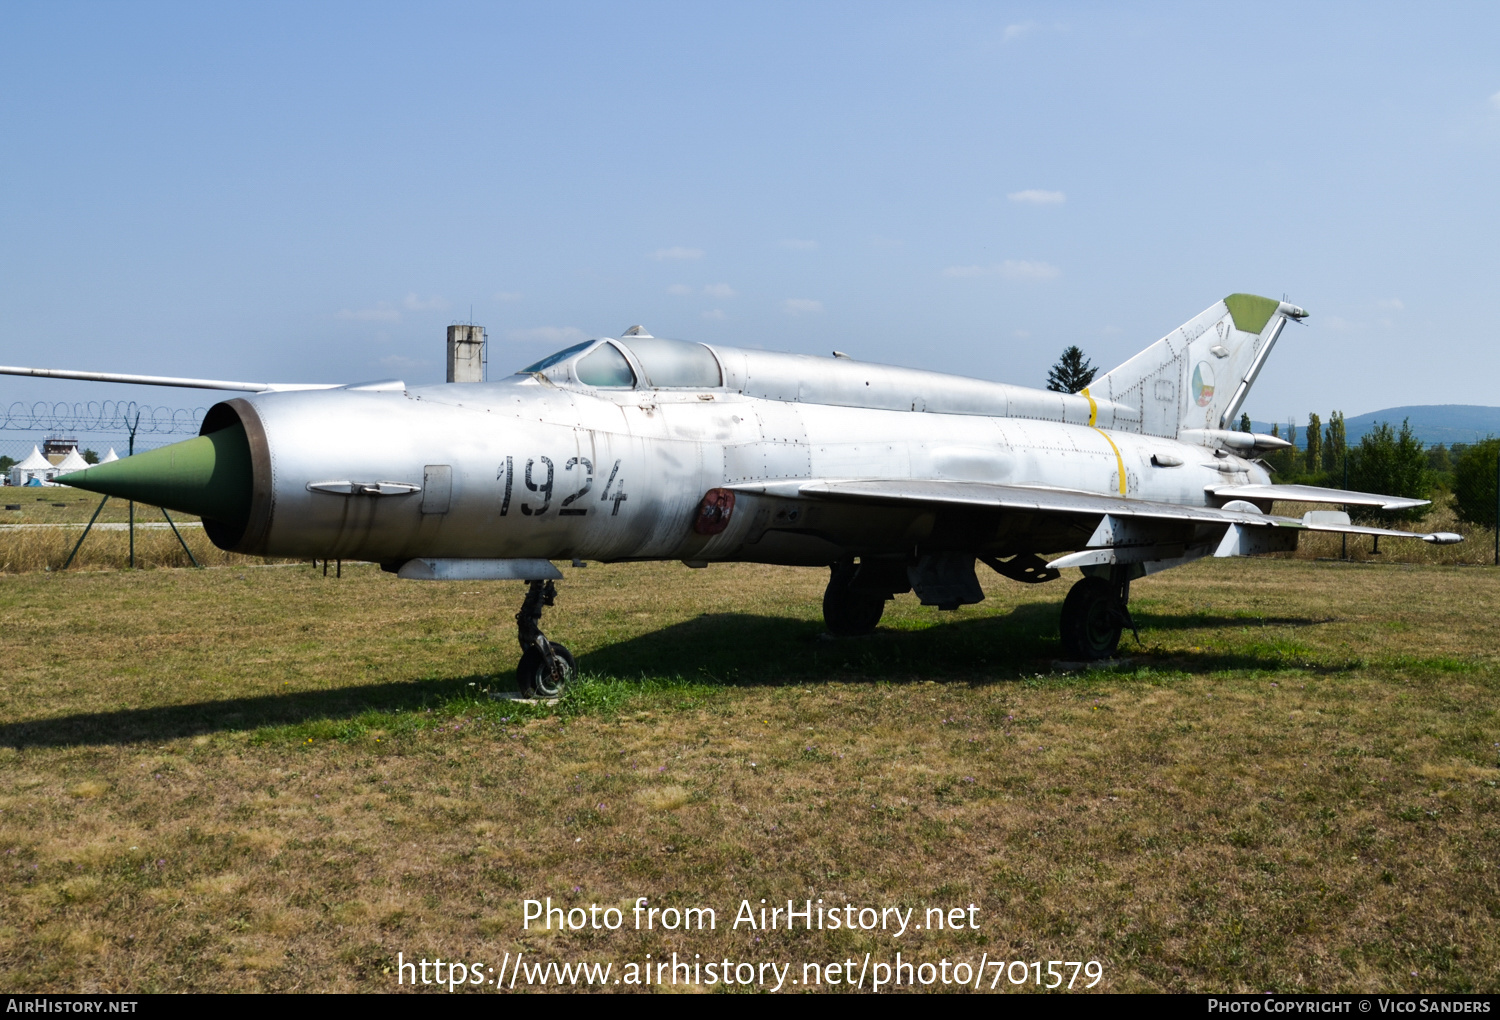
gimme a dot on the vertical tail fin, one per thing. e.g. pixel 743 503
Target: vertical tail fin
pixel 1197 376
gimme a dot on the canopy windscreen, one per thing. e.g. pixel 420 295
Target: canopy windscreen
pixel 553 359
pixel 605 367
pixel 670 363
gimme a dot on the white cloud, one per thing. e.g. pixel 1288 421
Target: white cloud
pixel 562 336
pixel 1495 100
pixel 801 306
pixel 719 290
pixel 797 245
pixel 1010 269
pixel 416 304
pixel 1391 304
pixel 1035 196
pixel 1337 322
pixel 382 312
pixel 680 289
pixel 1021 269
pixel 508 295
pixel 1021 29
pixel 662 254
pixel 715 314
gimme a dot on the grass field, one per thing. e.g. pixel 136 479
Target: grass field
pixel 259 778
pixel 44 530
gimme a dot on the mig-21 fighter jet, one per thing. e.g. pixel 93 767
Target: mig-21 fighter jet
pixel 643 448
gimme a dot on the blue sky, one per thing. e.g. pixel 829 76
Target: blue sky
pixel 313 192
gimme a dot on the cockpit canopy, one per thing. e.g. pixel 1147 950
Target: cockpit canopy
pixel 632 361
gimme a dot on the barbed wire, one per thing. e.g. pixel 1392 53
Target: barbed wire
pixel 101 416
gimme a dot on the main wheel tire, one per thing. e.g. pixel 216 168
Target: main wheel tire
pixel 536 680
pixel 849 612
pixel 1092 619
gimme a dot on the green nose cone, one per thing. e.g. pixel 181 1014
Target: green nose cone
pixel 209 477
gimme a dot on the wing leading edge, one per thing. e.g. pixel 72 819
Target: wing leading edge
pixel 163 380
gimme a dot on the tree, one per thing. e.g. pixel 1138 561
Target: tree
pixel 1334 445
pixel 1072 372
pixel 1440 461
pixel 1245 425
pixel 6 463
pixel 1474 483
pixel 1314 444
pixel 1393 464
pixel 1283 462
pixel 90 457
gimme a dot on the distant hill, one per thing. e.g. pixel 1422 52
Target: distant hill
pixel 1433 423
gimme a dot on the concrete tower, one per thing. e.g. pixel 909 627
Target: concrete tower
pixel 465 353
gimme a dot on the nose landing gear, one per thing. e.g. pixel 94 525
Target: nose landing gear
pixel 1094 614
pixel 545 667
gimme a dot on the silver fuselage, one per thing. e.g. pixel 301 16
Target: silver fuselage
pixel 542 466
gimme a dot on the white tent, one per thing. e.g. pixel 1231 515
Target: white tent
pixel 33 467
pixel 72 462
pixel 110 456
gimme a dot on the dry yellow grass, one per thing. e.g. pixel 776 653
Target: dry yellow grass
pixel 261 779
pixel 40 535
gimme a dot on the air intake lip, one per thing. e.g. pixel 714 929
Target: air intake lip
pixel 249 533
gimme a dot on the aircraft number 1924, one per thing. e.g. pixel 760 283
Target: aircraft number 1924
pixel 539 476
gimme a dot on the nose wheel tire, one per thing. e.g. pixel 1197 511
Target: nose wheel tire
pixel 1093 615
pixel 535 677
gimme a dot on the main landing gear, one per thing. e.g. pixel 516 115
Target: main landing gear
pixel 849 611
pixel 857 593
pixel 1094 614
pixel 545 667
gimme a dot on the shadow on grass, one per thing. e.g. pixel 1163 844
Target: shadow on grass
pixel 740 648
pixel 1195 621
pixel 726 650
pixel 168 722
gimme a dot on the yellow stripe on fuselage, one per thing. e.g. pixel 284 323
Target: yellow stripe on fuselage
pixel 1094 417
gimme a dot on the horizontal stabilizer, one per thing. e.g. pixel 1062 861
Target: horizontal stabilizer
pixel 1316 494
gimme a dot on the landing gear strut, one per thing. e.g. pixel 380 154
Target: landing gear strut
pixel 545 667
pixel 1093 615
